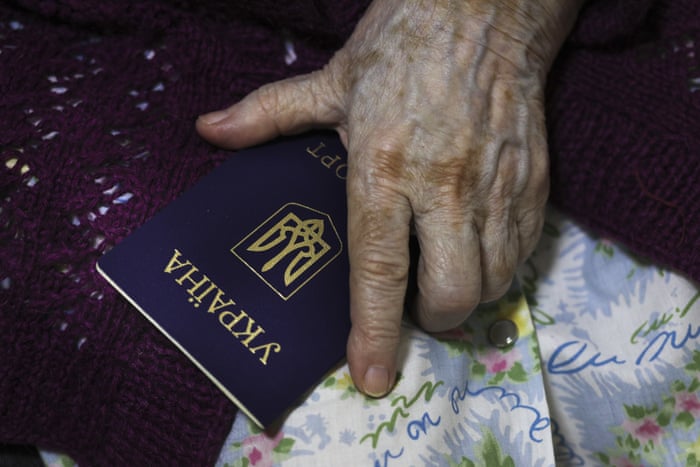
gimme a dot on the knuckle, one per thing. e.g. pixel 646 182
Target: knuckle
pixel 374 333
pixel 269 99
pixel 378 178
pixel 448 300
pixel 498 271
pixel 510 164
pixel 453 186
pixel 325 94
pixel 289 99
pixel 439 312
pixel 388 163
pixel 375 268
pixel 457 176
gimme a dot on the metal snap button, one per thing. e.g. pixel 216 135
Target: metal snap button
pixel 503 333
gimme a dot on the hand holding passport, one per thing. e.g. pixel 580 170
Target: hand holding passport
pixel 440 105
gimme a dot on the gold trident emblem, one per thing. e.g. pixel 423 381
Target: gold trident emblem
pixel 305 238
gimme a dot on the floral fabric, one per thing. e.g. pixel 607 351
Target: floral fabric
pixel 606 371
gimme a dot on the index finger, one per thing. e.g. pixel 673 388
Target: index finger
pixel 378 232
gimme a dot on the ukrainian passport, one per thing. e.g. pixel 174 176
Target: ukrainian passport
pixel 247 272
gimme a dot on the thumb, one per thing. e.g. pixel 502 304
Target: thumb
pixel 284 107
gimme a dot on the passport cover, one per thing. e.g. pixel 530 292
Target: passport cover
pixel 247 272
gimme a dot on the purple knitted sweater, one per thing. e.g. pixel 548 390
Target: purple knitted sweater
pixel 97 104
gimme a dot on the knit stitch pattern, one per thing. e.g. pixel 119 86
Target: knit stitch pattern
pixel 623 129
pixel 98 102
pixel 98 107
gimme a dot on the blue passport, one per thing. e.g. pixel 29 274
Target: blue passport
pixel 247 272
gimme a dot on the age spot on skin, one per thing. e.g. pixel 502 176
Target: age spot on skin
pixel 369 59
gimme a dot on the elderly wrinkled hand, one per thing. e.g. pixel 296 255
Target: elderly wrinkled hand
pixel 440 105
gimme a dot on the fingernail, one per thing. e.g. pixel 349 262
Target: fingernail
pixel 376 381
pixel 213 117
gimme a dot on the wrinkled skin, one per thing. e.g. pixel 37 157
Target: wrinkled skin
pixel 440 105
